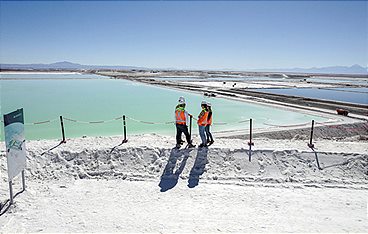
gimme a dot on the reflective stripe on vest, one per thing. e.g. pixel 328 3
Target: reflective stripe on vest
pixel 180 117
pixel 202 121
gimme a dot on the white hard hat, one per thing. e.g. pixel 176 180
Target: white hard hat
pixel 181 100
pixel 209 104
pixel 203 103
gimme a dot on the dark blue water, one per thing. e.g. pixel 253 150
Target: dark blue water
pixel 326 94
pixel 340 81
pixel 358 90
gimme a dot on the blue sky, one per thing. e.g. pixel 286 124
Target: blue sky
pixel 192 35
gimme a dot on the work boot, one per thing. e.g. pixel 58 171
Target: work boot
pixel 190 145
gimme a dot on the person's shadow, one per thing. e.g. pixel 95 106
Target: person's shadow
pixel 169 178
pixel 198 167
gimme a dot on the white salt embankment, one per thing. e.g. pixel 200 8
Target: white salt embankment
pixel 145 185
pixel 280 162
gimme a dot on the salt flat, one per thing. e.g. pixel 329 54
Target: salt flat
pixel 147 186
pixel 139 206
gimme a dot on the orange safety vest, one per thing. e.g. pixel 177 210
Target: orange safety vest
pixel 209 121
pixel 180 117
pixel 202 120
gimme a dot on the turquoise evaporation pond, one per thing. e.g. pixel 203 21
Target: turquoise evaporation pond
pixel 352 95
pixel 50 76
pixel 105 99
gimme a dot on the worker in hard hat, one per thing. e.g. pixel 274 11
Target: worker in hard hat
pixel 202 123
pixel 181 122
pixel 209 123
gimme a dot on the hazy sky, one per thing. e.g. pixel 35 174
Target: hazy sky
pixel 199 35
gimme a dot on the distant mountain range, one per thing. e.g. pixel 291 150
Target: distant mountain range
pixel 355 69
pixel 65 65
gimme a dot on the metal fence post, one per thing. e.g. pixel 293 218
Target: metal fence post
pixel 190 127
pixel 62 130
pixel 125 140
pixel 23 181
pixel 311 145
pixel 11 192
pixel 317 161
pixel 250 143
pixel 63 140
pixel 125 134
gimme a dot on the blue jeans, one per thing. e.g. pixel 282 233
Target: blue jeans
pixel 202 134
pixel 208 133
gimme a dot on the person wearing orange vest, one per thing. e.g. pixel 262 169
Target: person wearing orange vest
pixel 181 122
pixel 209 123
pixel 202 123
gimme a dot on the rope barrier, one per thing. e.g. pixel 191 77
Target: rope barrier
pixel 220 123
pixel 243 121
pixel 172 122
pixel 38 123
pixel 329 121
pixel 338 127
pixel 96 122
pixel 326 124
pixel 76 121
pixel 71 120
pixel 133 119
pixel 284 126
pixel 148 122
pixel 229 123
pixel 305 124
pixel 41 122
pixel 93 122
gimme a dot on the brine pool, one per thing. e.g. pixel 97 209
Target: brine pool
pixel 88 100
pixel 351 95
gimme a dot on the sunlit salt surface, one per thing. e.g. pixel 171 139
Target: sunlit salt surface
pixel 229 78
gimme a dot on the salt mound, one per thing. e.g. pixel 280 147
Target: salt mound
pixel 207 164
pixel 225 162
